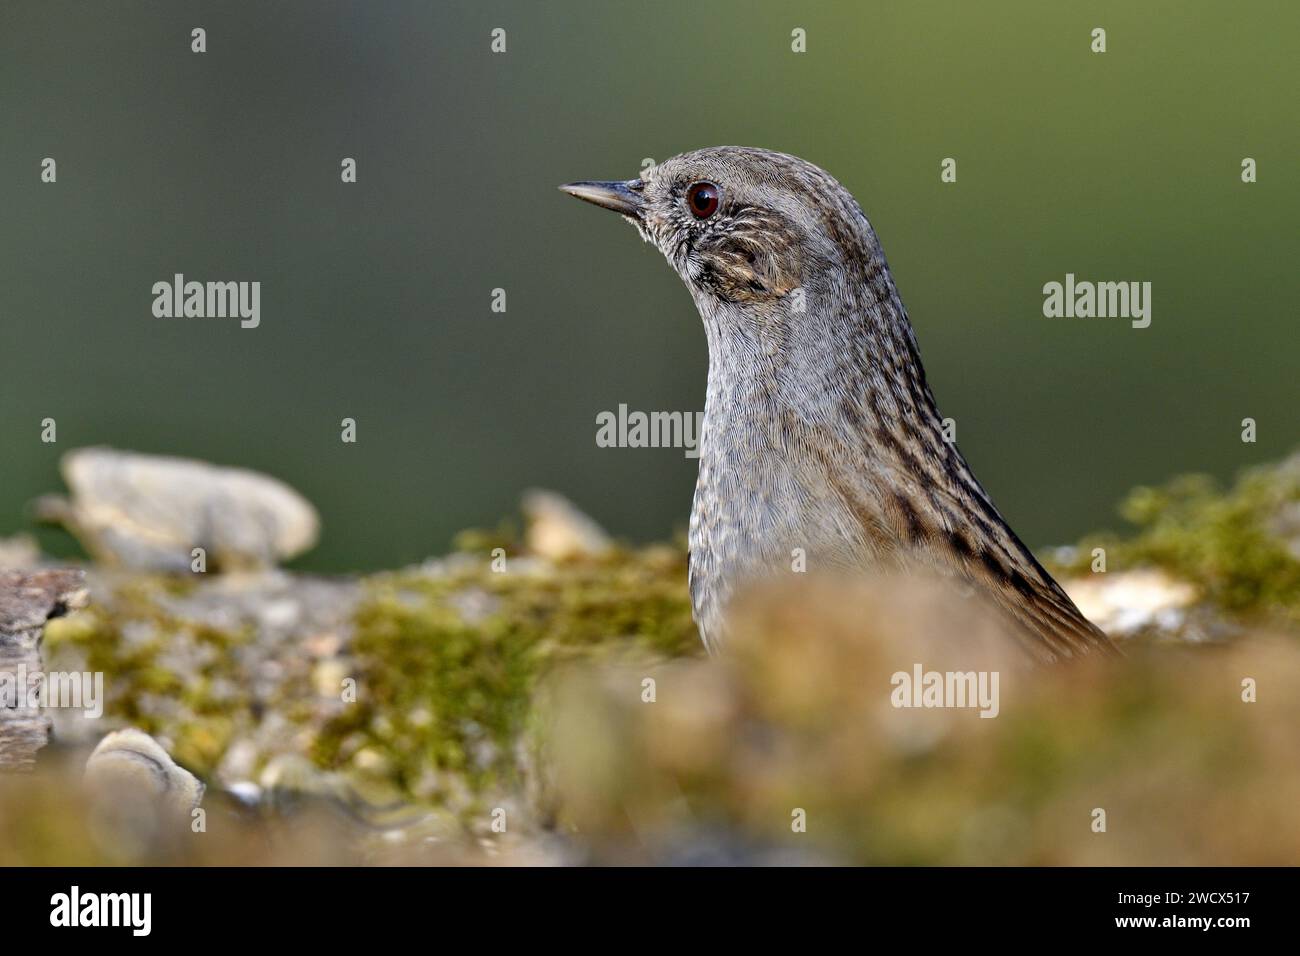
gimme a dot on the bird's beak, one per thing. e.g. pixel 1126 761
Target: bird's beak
pixel 622 197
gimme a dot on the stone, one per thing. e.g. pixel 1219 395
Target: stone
pixel 150 512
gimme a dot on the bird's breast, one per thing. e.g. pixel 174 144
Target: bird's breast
pixel 764 506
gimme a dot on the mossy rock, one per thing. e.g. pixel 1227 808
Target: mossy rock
pixel 449 663
pixel 1240 548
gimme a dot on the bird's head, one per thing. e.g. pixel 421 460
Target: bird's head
pixel 742 226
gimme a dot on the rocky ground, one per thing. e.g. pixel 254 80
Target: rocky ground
pixel 543 698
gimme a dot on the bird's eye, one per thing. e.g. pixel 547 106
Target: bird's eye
pixel 703 200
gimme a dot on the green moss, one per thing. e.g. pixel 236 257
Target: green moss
pixel 446 661
pixel 1229 544
pixel 141 690
pixel 449 664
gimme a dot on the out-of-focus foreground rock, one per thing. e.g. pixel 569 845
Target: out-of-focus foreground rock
pixel 551 704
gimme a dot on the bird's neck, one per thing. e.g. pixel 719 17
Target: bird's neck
pixel 817 411
pixel 840 356
pixel 819 418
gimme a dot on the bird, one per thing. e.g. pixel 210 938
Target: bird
pixel 820 431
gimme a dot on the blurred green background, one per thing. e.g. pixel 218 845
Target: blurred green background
pixel 375 296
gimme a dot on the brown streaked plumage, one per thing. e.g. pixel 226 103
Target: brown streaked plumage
pixel 820 431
